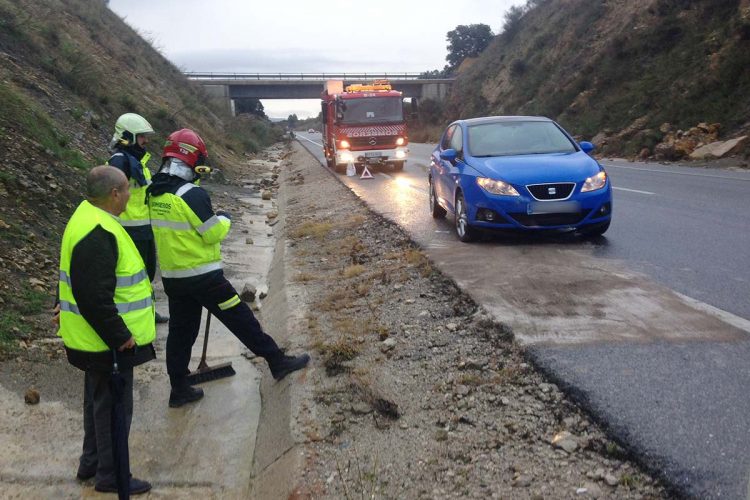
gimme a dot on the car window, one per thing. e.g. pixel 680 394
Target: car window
pixel 457 139
pixel 517 138
pixel 446 142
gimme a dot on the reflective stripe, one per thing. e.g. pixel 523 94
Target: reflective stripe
pixel 224 218
pixel 170 224
pixel 206 226
pixel 118 154
pixel 121 308
pixel 135 223
pixel 227 304
pixel 188 273
pixel 184 189
pixel 134 306
pixel 67 306
pixel 122 281
pixel 65 278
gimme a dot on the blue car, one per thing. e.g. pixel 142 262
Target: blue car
pixel 517 172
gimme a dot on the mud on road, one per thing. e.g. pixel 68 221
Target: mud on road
pixel 414 392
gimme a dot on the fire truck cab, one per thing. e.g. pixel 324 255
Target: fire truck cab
pixel 363 124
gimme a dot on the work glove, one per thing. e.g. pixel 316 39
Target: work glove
pixel 222 213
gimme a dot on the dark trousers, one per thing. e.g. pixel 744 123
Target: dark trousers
pixel 147 249
pixel 185 319
pixel 97 423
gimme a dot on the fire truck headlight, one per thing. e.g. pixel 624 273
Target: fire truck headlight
pixel 400 141
pixel 400 154
pixel 344 144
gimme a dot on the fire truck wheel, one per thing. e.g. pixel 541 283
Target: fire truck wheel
pixel 398 166
pixel 329 162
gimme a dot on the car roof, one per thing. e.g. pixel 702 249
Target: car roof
pixel 497 119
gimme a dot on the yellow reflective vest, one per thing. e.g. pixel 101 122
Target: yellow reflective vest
pixel 136 213
pixel 133 294
pixel 186 245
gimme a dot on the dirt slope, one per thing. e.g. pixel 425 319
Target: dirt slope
pixel 67 70
pixel 601 65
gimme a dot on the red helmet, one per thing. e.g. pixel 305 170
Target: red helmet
pixel 187 146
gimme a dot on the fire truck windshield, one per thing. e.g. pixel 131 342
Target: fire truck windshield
pixel 373 110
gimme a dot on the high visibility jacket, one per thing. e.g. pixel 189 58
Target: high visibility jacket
pixel 187 233
pixel 136 213
pixel 133 294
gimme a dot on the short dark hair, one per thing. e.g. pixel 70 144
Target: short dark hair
pixel 101 180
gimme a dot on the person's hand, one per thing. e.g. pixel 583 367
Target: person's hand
pixel 127 345
pixel 222 213
pixel 56 315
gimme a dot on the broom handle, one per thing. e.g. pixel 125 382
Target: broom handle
pixel 202 364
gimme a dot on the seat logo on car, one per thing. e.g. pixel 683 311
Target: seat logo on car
pixel 373 141
pixel 551 191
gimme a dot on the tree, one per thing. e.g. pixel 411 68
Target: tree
pixel 291 121
pixel 466 41
pixel 251 106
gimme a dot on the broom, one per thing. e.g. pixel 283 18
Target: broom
pixel 205 373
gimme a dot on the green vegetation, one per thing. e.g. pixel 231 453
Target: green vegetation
pixel 20 113
pixel 10 325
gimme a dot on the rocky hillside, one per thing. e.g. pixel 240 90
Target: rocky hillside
pixel 634 73
pixel 68 69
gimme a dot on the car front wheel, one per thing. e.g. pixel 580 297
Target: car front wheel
pixel 465 232
pixel 437 211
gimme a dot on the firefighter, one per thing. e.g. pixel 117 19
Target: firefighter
pixel 106 315
pixel 188 238
pixel 130 156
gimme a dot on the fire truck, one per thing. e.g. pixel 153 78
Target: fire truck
pixel 363 124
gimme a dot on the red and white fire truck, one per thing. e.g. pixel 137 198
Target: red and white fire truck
pixel 363 124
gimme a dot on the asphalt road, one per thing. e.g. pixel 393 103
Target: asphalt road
pixel 666 373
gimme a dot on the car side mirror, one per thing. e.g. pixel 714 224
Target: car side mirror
pixel 586 146
pixel 449 155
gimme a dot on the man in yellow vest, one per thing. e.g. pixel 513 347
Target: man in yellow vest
pixel 106 314
pixel 188 238
pixel 128 147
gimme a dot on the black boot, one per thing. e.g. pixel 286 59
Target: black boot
pixel 183 395
pixel 284 365
pixel 161 319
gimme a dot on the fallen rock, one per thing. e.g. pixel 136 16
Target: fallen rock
pixel 565 441
pixel 31 397
pixel 266 195
pixel 719 149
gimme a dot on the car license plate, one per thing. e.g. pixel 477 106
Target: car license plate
pixel 553 207
pixel 373 154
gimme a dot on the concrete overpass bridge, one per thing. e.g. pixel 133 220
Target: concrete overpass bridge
pixel 235 86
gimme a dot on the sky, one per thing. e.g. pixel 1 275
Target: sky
pixel 305 36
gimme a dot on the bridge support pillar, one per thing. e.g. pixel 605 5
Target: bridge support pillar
pixel 221 93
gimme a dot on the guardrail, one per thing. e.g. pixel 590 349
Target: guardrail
pixel 309 76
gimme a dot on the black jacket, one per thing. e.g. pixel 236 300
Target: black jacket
pixel 93 279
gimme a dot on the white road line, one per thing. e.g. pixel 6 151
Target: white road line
pixel 308 140
pixel 633 190
pixel 727 317
pixel 611 165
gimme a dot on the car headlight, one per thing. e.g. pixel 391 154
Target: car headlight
pixel 595 182
pixel 344 144
pixel 400 141
pixel 496 187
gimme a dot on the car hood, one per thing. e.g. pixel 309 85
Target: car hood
pixel 533 169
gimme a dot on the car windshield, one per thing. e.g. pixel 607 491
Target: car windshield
pixel 517 138
pixel 373 110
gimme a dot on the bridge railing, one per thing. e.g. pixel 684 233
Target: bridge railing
pixel 308 76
